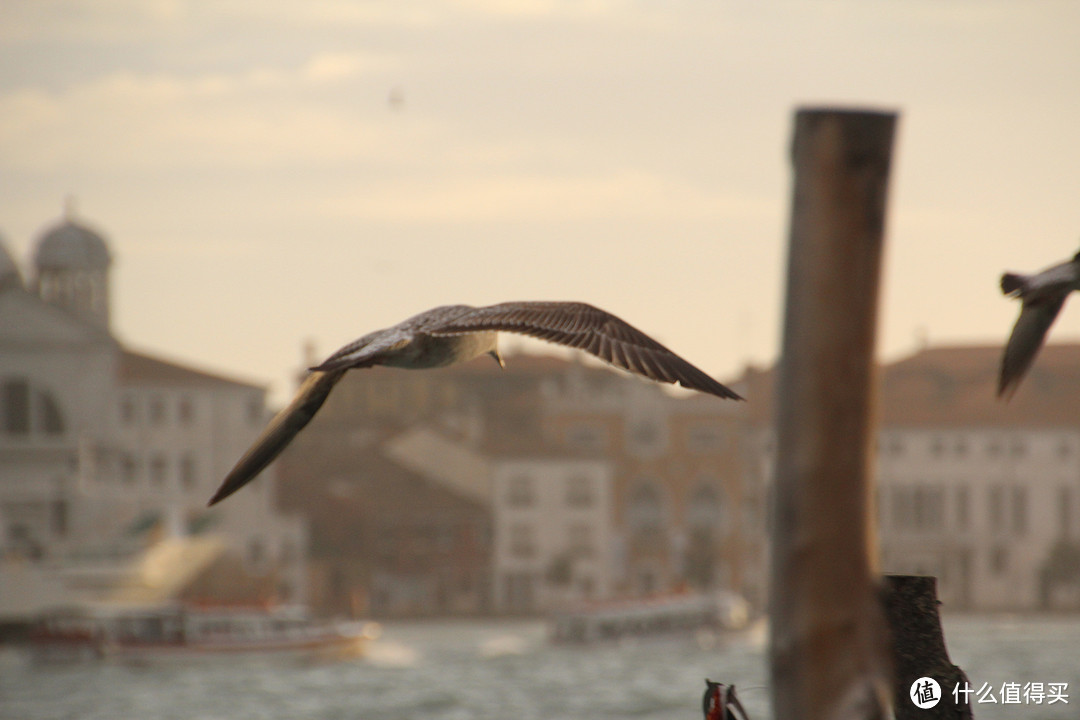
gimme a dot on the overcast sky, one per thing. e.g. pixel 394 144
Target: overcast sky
pixel 268 171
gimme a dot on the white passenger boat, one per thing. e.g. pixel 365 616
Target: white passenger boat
pixel 662 615
pixel 177 631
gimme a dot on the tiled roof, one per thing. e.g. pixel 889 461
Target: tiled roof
pixel 139 369
pixel 957 386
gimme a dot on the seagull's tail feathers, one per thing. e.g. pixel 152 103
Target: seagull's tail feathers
pixel 280 432
pixel 1013 283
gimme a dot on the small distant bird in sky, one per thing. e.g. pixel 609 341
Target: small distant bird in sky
pixel 1042 296
pixel 396 98
pixel 456 333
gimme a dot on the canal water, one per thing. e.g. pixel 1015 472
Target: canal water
pixel 488 670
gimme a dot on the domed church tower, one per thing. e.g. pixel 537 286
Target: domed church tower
pixel 9 271
pixel 72 265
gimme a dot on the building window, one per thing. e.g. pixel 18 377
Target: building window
pixel 645 436
pixel 50 421
pixel 129 469
pixel 519 491
pixel 704 508
pixel 963 518
pixel 580 492
pixel 1019 510
pixel 255 411
pixel 185 411
pixel 519 591
pixel 256 552
pixel 157 470
pixel 1018 448
pixel 288 552
pixel 25 409
pixel 16 407
pixel 187 471
pixel 645 516
pixel 960 447
pixel 59 518
pixel 580 541
pixel 704 438
pixel 996 504
pixel 522 542
pixel 999 560
pixel 1065 512
pixel 917 508
pixel 157 410
pixel 585 437
pixel 128 411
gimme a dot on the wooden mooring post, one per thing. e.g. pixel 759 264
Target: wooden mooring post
pixel 918 650
pixel 829 648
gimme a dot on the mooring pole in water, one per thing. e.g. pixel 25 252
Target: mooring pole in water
pixel 918 649
pixel 828 647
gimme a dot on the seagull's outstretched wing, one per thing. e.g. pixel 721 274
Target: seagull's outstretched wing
pixel 280 432
pixel 365 352
pixel 1036 317
pixel 582 326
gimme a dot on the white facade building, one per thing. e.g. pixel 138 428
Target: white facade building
pixel 553 532
pixel 980 508
pixel 981 493
pixel 102 448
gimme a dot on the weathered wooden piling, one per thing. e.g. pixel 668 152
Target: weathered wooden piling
pixel 829 648
pixel 918 649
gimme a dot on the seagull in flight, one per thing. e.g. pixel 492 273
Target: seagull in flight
pixel 1042 296
pixel 456 333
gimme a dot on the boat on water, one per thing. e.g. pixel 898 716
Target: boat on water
pixel 179 631
pixel 689 613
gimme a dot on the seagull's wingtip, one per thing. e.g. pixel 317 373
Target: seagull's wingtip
pixel 223 492
pixel 1006 389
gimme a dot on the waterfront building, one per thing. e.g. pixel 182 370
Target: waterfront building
pixel 104 449
pixel 980 492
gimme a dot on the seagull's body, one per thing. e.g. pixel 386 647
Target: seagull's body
pixel 456 333
pixel 1042 295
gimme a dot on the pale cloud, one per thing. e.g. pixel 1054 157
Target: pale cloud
pixel 541 8
pixel 333 13
pixel 131 120
pixel 97 21
pixel 530 198
pixel 27 21
pixel 331 67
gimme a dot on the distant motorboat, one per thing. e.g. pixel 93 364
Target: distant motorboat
pixel 178 631
pixel 660 615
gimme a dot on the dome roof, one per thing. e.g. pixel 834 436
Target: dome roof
pixel 9 271
pixel 71 246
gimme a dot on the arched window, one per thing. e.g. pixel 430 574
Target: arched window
pixel 26 409
pixel 16 399
pixel 704 510
pixel 645 512
pixel 703 518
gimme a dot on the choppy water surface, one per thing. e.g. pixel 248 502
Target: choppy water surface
pixel 501 670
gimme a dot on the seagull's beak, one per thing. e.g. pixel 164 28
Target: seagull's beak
pixel 498 358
